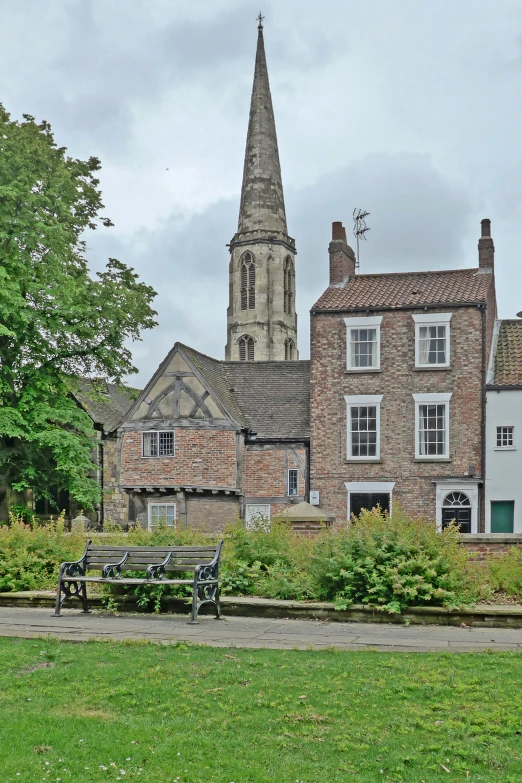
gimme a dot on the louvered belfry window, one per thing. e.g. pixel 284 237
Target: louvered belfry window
pixel 248 282
pixel 288 285
pixel 289 350
pixel 246 348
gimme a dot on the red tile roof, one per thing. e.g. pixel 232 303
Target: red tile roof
pixel 508 359
pixel 407 289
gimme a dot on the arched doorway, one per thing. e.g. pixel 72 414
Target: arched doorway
pixel 457 506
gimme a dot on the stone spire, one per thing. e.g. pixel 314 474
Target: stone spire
pixel 261 316
pixel 262 200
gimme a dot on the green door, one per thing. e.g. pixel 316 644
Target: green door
pixel 502 514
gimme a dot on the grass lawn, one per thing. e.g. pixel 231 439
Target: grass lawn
pixel 116 711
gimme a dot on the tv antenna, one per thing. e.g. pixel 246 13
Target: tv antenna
pixel 359 227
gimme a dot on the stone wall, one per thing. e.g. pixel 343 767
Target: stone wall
pixel 115 500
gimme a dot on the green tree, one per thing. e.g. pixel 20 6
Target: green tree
pixel 57 321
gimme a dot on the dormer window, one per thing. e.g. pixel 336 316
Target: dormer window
pixel 363 343
pixel 432 340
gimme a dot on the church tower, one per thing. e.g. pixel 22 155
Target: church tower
pixel 261 316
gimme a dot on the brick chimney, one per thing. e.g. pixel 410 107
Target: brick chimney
pixel 486 248
pixel 342 257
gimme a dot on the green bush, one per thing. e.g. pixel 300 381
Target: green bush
pixel 392 563
pixel 505 572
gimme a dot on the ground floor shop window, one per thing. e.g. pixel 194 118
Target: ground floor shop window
pixel 502 516
pixel 368 495
pixel 359 501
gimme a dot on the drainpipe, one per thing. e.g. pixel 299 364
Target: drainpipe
pixel 102 483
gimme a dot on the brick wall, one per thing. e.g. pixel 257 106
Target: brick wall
pixel 211 514
pixel 482 547
pixel 265 470
pixel 204 457
pixel 397 381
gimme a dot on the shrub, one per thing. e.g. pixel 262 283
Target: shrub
pixel 505 572
pixel 392 563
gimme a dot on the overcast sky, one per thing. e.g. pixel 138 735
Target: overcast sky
pixel 411 110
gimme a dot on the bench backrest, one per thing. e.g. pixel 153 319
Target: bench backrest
pixel 184 558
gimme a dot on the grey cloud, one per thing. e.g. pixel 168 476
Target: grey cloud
pixel 418 220
pixel 98 65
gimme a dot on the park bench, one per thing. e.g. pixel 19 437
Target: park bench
pixel 160 563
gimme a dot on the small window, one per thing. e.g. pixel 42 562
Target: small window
pixel 246 348
pixel 505 437
pixel 363 343
pixel 257 516
pixel 158 444
pixel 363 432
pixel 162 514
pixel 432 426
pixel 293 482
pixel 432 340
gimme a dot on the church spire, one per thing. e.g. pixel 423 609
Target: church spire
pixel 261 316
pixel 262 200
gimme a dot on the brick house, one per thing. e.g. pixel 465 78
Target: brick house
pixel 208 441
pixel 397 384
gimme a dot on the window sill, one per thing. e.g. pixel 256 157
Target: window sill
pixel 505 448
pixel 432 459
pixel 364 460
pixel 359 370
pixel 433 368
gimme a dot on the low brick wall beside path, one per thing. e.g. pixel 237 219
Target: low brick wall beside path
pixel 482 546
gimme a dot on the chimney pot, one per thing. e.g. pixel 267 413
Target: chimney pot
pixel 337 231
pixel 485 227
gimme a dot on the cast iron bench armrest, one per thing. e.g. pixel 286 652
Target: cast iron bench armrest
pixel 157 571
pixel 74 567
pixel 113 570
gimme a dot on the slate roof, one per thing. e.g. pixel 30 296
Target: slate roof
pixel 407 289
pixel 106 403
pixel 270 398
pixel 508 358
pixel 274 397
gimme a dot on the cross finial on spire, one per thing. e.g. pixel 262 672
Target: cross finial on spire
pixel 260 19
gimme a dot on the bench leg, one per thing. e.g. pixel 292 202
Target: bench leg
pixel 218 616
pixel 59 599
pixel 84 599
pixel 194 615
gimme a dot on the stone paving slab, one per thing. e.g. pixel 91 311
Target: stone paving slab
pixel 254 633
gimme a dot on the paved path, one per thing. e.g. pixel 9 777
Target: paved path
pixel 255 632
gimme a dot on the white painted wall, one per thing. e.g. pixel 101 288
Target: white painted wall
pixel 504 466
